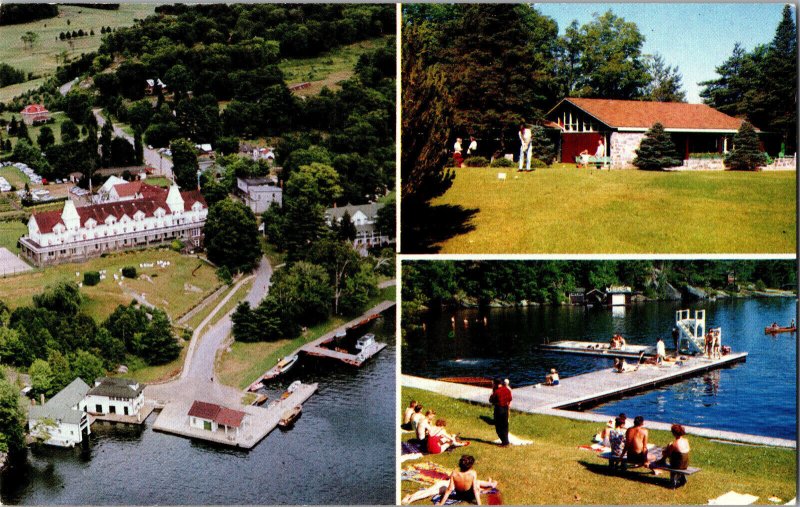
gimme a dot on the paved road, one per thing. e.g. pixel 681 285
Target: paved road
pixel 66 87
pixel 153 158
pixel 195 381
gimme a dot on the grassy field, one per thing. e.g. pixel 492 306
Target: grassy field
pixel 328 69
pixel 7 93
pixel 246 361
pixel 142 373
pixel 58 118
pixel 554 471
pixel 44 57
pixel 10 232
pixel 158 181
pixel 174 289
pixel 567 210
pixel 14 176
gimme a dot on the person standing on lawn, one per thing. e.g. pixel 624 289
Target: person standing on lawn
pixel 501 400
pixel 600 153
pixel 525 145
pixel 473 146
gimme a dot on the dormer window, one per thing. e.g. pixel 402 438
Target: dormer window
pixel 111 220
pixel 91 223
pixel 197 206
pixel 139 216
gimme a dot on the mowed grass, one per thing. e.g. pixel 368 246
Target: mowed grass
pixel 247 361
pixel 568 210
pixel 10 232
pixel 554 471
pixel 43 58
pixel 59 117
pixel 139 371
pixel 174 288
pixel 328 69
pixel 14 176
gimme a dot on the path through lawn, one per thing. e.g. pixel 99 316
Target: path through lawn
pixel 568 210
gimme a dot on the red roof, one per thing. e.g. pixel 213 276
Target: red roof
pixel 204 410
pixel 34 109
pixel 139 187
pixel 46 220
pixel 213 412
pixel 642 114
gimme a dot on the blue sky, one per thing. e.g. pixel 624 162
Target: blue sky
pixel 695 37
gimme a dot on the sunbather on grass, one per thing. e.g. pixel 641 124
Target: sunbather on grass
pixel 464 482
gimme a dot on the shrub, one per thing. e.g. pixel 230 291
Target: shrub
pixel 706 156
pixel 760 285
pixel 177 245
pixel 91 278
pixel 747 155
pixel 476 162
pixel 537 164
pixel 656 151
pixel 129 272
pixel 224 274
pixel 502 162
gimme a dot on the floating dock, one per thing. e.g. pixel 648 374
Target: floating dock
pixel 316 348
pixel 257 424
pixel 598 349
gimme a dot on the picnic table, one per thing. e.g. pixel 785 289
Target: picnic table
pixel 597 161
pixel 677 476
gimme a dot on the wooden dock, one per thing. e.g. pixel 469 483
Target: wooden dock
pixel 257 424
pixel 139 418
pixel 591 388
pixel 316 349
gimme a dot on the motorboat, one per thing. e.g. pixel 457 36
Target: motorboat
pixel 365 341
pixel 286 363
pixel 290 416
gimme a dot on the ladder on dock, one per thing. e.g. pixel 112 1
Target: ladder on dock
pixel 692 330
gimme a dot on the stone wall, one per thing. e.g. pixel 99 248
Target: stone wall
pixel 701 164
pixel 623 148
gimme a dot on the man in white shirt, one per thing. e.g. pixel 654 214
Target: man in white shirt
pixel 525 145
pixel 457 145
pixel 473 146
pixel 601 152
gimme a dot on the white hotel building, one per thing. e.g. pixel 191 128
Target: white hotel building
pixel 77 234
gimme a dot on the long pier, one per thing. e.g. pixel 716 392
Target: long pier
pixel 591 388
pixel 316 348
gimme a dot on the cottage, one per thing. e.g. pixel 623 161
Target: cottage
pixel 212 417
pixel 60 421
pixel 259 193
pixel 77 234
pixel 114 396
pixel 621 125
pixel 35 113
pixel 364 217
pixel 618 295
pixel 154 86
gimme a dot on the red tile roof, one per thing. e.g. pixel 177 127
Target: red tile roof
pixel 642 114
pixel 229 417
pixel 34 109
pixel 128 189
pixel 46 220
pixel 204 410
pixel 213 412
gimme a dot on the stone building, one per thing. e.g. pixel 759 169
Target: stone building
pixel 621 125
pixel 77 234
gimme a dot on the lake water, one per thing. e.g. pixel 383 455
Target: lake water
pixel 341 451
pixel 757 397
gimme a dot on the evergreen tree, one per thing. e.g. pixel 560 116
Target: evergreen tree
pixel 665 82
pixel 184 163
pixel 22 131
pixel 347 229
pixel 231 236
pixel 69 131
pixel 106 133
pixel 158 344
pixel 780 81
pixel 746 154
pixel 46 138
pixel 541 146
pixel 656 151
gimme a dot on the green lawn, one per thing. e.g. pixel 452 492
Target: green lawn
pixel 328 69
pixel 44 57
pixel 10 232
pixel 139 371
pixel 568 210
pixel 174 289
pixel 14 176
pixel 59 117
pixel 158 181
pixel 554 471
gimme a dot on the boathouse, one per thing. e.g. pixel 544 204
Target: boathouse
pixel 60 421
pixel 114 396
pixel 212 417
pixel 621 125
pixel 618 295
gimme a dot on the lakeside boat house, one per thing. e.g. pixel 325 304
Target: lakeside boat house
pixel 61 421
pixel 114 396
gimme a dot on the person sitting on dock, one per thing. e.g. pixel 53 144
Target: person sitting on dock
pixel 636 442
pixel 620 366
pixel 675 455
pixel 407 415
pixel 551 379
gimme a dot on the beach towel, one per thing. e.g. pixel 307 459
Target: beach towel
pixel 410 457
pixel 492 497
pixel 425 473
pixel 411 448
pixel 733 498
pixel 595 448
pixel 514 440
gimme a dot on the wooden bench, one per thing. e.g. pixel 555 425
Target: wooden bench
pixel 677 476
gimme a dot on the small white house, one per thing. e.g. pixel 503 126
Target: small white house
pixel 114 396
pixel 364 217
pixel 619 295
pixel 60 421
pixel 213 417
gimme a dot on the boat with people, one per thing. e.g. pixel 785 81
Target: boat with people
pixel 289 417
pixel 775 329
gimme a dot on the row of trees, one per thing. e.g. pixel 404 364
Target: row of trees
pixel 57 342
pixel 428 284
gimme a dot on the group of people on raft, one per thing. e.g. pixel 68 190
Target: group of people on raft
pixel 629 446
